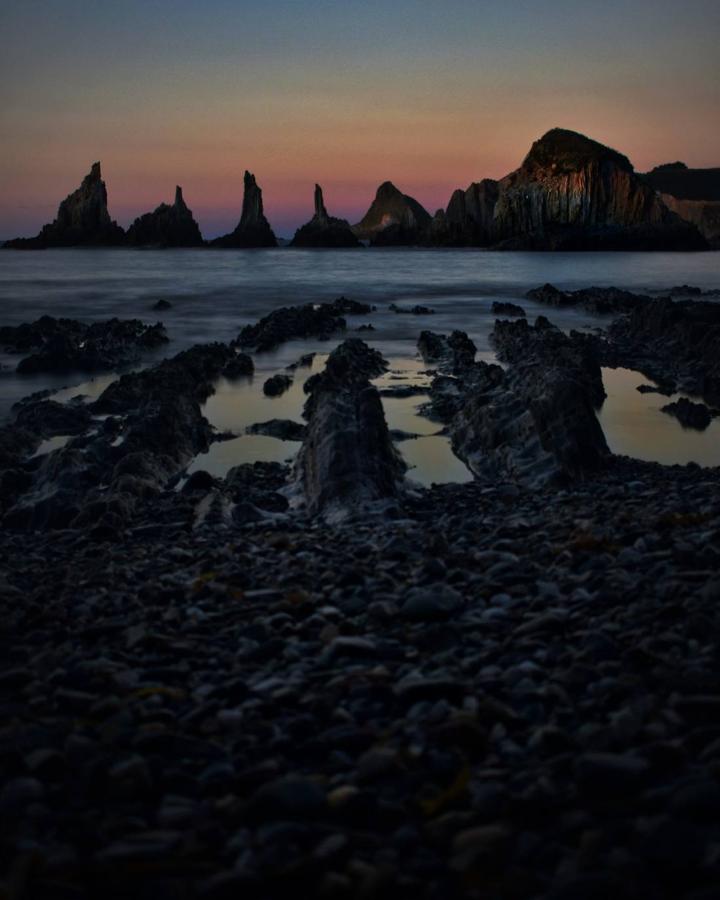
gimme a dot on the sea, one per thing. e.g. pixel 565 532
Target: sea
pixel 215 292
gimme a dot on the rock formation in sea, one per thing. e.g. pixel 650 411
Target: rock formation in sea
pixel 170 225
pixel 694 194
pixel 324 230
pixel 572 193
pixel 253 229
pixel 468 219
pixel 394 219
pixel 82 220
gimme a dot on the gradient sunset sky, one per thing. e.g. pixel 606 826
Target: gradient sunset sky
pixel 431 95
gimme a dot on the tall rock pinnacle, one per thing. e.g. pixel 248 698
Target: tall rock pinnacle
pixel 324 230
pixel 82 219
pixel 253 229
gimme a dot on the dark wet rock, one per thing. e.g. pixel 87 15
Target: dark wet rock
pixel 393 219
pixel 689 414
pixel 665 390
pixel 161 305
pixel 536 421
pixel 431 603
pixel 305 361
pixel 170 225
pixel 599 301
pixel 82 220
pixel 284 429
pixel 398 435
pixel 290 322
pixel 346 307
pixel 507 309
pixel 368 327
pixel 324 230
pixel 239 366
pixel 253 229
pixel 347 459
pixel 48 418
pixel 452 354
pixel 672 342
pixel 277 385
pixel 403 390
pixel 416 310
pixel 200 480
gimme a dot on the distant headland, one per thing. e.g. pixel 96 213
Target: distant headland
pixel 570 193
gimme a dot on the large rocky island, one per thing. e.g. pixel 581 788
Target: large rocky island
pixel 323 680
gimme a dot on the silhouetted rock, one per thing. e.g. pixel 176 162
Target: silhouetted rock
pixel 283 429
pixel 468 220
pixel 507 309
pixel 82 220
pixel 253 229
pixel 416 310
pixel 277 385
pixel 599 301
pixel 347 459
pixel 324 230
pixel 689 414
pixel 576 194
pixel 451 354
pixel 289 322
pixel 393 219
pixel 63 345
pixel 168 226
pixel 238 366
pixel 161 305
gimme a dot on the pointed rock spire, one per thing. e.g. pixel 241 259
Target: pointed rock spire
pixel 324 230
pixel 82 219
pixel 167 226
pixel 253 229
pixel 394 218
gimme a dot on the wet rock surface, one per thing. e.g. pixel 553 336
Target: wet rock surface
pixel 689 414
pixel 507 309
pixel 347 460
pixel 600 301
pixel 284 429
pixel 65 345
pixel 277 385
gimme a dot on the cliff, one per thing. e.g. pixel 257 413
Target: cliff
pixel 573 193
pixel 468 219
pixel 324 230
pixel 82 220
pixel 394 219
pixel 253 229
pixel 693 194
pixel 167 226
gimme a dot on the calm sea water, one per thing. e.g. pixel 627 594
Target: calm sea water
pixel 214 293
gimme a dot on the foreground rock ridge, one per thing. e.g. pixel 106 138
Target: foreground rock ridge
pixel 82 220
pixel 327 681
pixel 167 226
pixel 253 229
pixel 324 230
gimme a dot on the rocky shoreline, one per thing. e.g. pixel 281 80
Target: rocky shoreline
pixel 323 681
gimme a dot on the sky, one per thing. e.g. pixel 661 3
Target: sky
pixel 430 94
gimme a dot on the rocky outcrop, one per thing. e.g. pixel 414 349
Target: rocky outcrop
pixel 394 219
pixel 468 220
pixel 598 301
pixel 576 194
pixel 152 427
pixel 689 414
pixel 82 220
pixel 500 308
pixel 66 345
pixel 533 422
pixel 673 342
pixel 276 385
pixel 312 320
pixel 167 226
pixel 347 459
pixel 282 429
pixel 253 229
pixel 693 194
pixel 324 230
pixel 454 354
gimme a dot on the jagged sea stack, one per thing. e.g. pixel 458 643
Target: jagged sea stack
pixel 394 219
pixel 253 229
pixel 82 220
pixel 468 219
pixel 324 230
pixel 170 225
